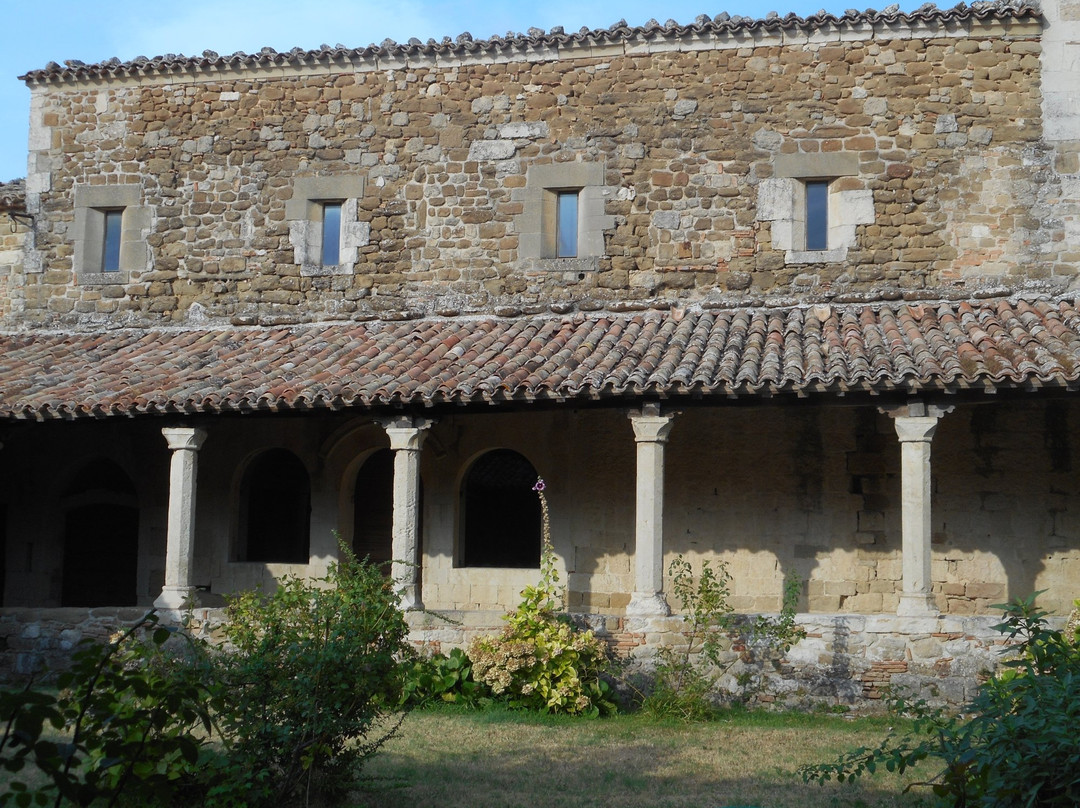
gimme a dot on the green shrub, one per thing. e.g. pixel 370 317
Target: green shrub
pixel 541 661
pixel 311 676
pixel 443 679
pixel 1020 746
pixel 684 683
pixel 129 719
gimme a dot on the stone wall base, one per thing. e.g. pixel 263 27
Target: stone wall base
pixel 844 660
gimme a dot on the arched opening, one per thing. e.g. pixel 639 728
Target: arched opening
pixel 373 509
pixel 275 515
pixel 101 538
pixel 500 513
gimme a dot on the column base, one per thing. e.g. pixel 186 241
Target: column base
pixel 177 598
pixel 410 598
pixel 917 604
pixel 647 604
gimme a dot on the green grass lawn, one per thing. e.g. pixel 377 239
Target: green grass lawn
pixel 502 759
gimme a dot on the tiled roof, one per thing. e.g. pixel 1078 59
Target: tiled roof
pixel 464 45
pixel 804 351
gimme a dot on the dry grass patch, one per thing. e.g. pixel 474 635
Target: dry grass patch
pixel 508 760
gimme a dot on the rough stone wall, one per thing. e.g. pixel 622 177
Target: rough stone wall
pixel 13 237
pixel 944 127
pixel 37 640
pixel 844 659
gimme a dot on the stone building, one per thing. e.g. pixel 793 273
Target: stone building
pixel 723 285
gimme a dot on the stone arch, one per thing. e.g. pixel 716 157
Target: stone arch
pixel 100 537
pixel 499 521
pixel 275 509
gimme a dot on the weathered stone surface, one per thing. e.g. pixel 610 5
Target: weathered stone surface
pixel 442 147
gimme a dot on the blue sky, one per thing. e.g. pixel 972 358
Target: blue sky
pixel 93 32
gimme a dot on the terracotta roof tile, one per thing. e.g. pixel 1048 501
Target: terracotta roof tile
pixel 464 45
pixel 817 349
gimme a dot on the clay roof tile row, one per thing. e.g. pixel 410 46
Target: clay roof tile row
pixel 465 45
pixel 737 352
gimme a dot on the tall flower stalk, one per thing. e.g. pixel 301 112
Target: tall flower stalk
pixel 541 661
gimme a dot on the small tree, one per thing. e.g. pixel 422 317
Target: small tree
pixel 133 720
pixel 310 675
pixel 686 676
pixel 1020 746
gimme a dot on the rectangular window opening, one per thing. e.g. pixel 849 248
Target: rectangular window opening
pixel 110 258
pixel 817 215
pixel 331 234
pixel 566 224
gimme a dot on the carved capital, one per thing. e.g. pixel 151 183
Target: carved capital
pixel 650 426
pixel 406 432
pixel 184 437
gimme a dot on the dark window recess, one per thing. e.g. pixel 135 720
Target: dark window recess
pixel 276 509
pixel 3 550
pixel 331 234
pixel 817 215
pixel 101 538
pixel 373 510
pixel 500 513
pixel 101 555
pixel 110 259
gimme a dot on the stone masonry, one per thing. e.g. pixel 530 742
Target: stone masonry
pixel 942 122
pixel 943 310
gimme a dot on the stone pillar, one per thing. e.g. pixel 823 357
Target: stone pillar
pixel 651 431
pixel 406 437
pixel 179 589
pixel 915 426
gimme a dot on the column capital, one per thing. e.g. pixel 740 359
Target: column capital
pixel 915 428
pixel 405 431
pixel 184 437
pixel 650 426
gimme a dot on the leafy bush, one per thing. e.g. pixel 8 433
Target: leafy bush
pixel 311 674
pixel 685 678
pixel 1020 746
pixel 443 679
pixel 300 695
pixel 541 661
pixel 129 715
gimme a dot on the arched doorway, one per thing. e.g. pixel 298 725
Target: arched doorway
pixel 101 538
pixel 275 518
pixel 500 513
pixel 373 509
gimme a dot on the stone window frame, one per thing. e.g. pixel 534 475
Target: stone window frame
pixel 91 203
pixel 782 201
pixel 304 212
pixel 537 224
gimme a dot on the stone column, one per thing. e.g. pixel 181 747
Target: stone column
pixel 651 431
pixel 406 437
pixel 179 589
pixel 915 426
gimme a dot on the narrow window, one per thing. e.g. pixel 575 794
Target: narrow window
pixel 331 234
pixel 110 259
pixel 566 224
pixel 817 215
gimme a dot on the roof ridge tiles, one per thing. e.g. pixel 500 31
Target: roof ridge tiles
pixel 465 44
